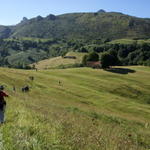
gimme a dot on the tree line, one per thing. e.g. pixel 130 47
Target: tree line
pixel 19 53
pixel 120 54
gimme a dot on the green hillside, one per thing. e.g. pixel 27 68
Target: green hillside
pixel 103 25
pixel 90 110
pixel 60 61
pixel 129 41
pixel 19 53
pixel 40 38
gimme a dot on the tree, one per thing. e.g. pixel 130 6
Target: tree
pixel 63 53
pixel 93 56
pixel 84 60
pixel 115 60
pixel 83 50
pixel 107 60
pixel 107 40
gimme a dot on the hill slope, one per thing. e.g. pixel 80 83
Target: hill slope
pixel 60 61
pixel 90 109
pixel 40 38
pixel 81 25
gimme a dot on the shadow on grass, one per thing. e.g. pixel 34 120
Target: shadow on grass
pixel 120 70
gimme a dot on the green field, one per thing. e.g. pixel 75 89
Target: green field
pixel 91 109
pixel 129 41
pixel 59 61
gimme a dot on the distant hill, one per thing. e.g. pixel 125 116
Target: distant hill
pixel 19 52
pixel 5 31
pixel 101 24
pixel 39 38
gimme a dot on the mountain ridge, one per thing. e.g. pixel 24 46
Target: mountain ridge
pixel 113 25
pixel 40 38
pixel 99 11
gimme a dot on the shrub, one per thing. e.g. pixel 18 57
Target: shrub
pixel 84 60
pixel 106 60
pixel 93 56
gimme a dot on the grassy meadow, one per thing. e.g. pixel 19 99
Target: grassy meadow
pixel 129 41
pixel 88 109
pixel 59 61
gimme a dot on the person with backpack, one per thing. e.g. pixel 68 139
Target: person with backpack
pixel 2 103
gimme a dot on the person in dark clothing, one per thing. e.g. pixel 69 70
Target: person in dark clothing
pixel 2 103
pixel 14 88
pixel 26 89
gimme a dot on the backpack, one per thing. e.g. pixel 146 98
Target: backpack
pixel 2 102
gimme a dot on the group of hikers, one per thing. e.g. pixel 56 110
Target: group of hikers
pixel 2 104
pixel 4 94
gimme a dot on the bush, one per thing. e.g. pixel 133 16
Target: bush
pixel 93 56
pixel 107 60
pixel 84 60
pixel 83 50
pixel 146 63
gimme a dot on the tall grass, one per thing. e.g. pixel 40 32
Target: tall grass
pixel 89 110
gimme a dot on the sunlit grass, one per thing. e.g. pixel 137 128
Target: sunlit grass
pixel 129 41
pixel 91 109
pixel 57 61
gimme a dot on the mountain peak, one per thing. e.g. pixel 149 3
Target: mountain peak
pixel 24 20
pixel 51 17
pixel 39 18
pixel 101 11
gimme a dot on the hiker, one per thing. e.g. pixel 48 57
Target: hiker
pixel 2 103
pixel 25 89
pixel 60 83
pixel 31 78
pixel 14 88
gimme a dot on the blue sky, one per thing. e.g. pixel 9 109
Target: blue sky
pixel 12 11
